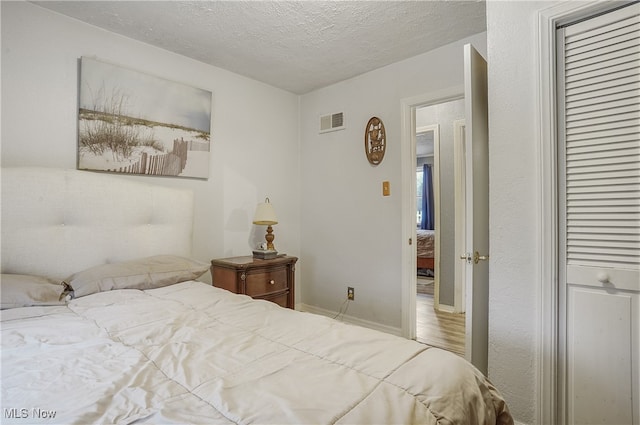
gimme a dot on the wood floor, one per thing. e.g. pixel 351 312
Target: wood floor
pixel 437 328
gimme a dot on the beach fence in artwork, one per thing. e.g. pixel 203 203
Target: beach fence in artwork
pixel 169 164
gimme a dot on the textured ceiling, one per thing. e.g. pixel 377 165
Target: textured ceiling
pixel 298 46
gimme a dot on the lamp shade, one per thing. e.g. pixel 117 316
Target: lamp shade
pixel 265 214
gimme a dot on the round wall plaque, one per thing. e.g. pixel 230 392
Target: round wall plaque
pixel 375 140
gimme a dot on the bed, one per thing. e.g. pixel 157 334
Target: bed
pixel 425 250
pixel 120 330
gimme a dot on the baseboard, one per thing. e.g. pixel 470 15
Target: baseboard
pixel 349 319
pixel 446 308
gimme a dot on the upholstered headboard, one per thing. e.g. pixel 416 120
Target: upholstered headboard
pixel 57 222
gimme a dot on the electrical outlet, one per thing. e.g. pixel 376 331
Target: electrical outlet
pixel 350 293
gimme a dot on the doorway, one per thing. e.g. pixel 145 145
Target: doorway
pixel 476 253
pixel 409 190
pixel 440 319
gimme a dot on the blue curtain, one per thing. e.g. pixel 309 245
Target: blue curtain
pixel 427 199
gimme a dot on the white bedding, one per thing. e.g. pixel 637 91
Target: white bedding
pixel 192 353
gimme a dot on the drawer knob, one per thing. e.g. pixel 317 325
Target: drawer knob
pixel 273 282
pixel 603 277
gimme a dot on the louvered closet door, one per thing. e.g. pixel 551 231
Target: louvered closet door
pixel 600 158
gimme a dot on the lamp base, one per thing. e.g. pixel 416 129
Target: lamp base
pixel 265 254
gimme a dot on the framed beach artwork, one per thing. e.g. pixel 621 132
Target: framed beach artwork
pixel 135 123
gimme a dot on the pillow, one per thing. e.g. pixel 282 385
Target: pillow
pixel 144 273
pixel 19 290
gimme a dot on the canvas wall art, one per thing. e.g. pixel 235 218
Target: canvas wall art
pixel 131 122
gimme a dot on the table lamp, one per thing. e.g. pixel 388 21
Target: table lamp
pixel 265 215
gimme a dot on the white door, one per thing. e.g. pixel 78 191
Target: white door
pixel 477 208
pixel 599 158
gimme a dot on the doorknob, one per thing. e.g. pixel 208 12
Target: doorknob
pixel 477 257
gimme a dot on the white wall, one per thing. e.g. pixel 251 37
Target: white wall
pixel 254 131
pixel 351 234
pixel 515 213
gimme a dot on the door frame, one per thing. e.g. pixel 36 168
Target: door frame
pixel 551 382
pixel 408 108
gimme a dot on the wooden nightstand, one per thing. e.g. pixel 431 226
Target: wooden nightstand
pixel 271 280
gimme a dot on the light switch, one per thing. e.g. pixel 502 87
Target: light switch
pixel 386 189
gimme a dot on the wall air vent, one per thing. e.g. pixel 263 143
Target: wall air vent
pixel 332 122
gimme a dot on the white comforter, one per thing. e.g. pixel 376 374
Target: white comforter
pixel 192 353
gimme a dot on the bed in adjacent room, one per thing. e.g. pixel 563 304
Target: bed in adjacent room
pixel 104 321
pixel 425 252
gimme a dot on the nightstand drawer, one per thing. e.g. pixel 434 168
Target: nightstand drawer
pixel 266 282
pixel 280 299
